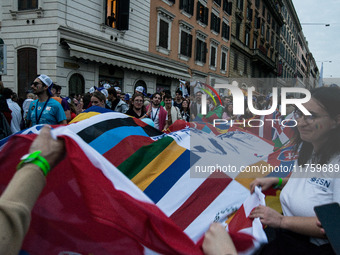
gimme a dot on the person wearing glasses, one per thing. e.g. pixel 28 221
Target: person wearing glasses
pixel 44 110
pixel 313 181
pixel 137 108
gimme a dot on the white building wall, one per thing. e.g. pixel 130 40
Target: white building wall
pixel 89 16
pixel 40 29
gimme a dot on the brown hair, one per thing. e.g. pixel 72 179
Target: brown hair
pixel 100 96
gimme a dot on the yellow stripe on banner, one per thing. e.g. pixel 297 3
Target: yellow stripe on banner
pixel 158 165
pixel 84 116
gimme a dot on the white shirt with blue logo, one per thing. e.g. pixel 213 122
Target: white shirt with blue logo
pixel 307 188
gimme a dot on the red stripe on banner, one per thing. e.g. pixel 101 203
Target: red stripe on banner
pixel 139 122
pixel 140 220
pixel 81 211
pixel 203 196
pixel 240 221
pixel 126 148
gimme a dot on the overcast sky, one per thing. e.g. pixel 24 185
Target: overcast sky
pixel 323 42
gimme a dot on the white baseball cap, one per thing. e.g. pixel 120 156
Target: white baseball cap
pixel 91 90
pixel 140 89
pixel 107 86
pixel 118 89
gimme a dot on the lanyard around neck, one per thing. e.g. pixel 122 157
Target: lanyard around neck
pixel 154 117
pixel 36 111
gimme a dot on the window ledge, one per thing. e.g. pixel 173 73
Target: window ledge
pixel 183 57
pixel 201 24
pixel 39 12
pixel 112 31
pixel 168 2
pixel 186 14
pixel 199 63
pixel 163 50
pixel 213 68
pixel 226 13
pixel 214 32
pixel 223 71
pixel 225 39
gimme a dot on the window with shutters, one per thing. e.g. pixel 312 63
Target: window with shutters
pixel 187 6
pixel 186 44
pixel 235 61
pixel 249 14
pixel 247 37
pixel 257 23
pixel 227 6
pixel 163 34
pixel 238 28
pixel 262 29
pixel 117 14
pixel 224 59
pixel 267 34
pixel 202 13
pixel 239 4
pixel 255 43
pixel 245 67
pixel 257 4
pixel 225 31
pixel 263 10
pixel 201 51
pixel 215 23
pixel 27 5
pixel 213 51
pixel 165 19
pixel 218 2
pixel 185 47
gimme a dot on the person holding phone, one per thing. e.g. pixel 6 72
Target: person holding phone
pixel 313 182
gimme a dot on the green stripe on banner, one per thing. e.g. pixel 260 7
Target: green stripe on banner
pixel 142 157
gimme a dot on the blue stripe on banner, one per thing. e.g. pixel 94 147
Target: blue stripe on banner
pixel 163 183
pixel 98 109
pixel 111 138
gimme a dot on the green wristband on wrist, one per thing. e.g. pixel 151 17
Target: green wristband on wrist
pixel 36 159
pixel 278 185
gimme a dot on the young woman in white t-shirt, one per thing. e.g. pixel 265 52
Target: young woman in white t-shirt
pixel 318 140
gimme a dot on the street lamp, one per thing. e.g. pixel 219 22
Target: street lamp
pixel 316 24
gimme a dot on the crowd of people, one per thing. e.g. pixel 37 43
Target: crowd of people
pixel 45 105
pixel 317 141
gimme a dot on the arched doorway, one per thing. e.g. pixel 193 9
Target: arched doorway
pixel 76 84
pixel 141 83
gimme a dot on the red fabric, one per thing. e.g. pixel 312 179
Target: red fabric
pixel 207 193
pixel 81 211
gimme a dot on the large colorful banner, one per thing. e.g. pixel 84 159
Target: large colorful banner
pixel 125 186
